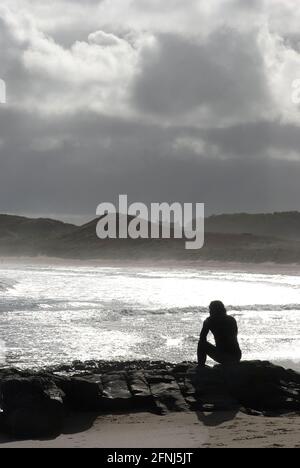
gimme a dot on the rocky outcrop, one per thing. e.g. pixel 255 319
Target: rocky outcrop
pixel 33 403
pixel 166 391
pixel 32 406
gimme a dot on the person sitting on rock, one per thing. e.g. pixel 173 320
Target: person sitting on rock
pixel 225 331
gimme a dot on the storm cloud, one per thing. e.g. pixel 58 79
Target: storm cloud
pixel 180 101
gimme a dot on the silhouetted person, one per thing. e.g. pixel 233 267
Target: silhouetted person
pixel 225 331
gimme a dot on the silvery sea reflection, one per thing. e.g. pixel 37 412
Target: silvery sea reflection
pixel 57 314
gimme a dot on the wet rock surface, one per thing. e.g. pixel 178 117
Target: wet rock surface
pixel 33 403
pixel 32 406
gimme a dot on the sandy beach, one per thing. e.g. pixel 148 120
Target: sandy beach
pixel 181 430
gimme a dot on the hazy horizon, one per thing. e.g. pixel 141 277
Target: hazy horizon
pixel 81 220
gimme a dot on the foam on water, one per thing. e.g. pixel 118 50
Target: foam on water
pixel 51 315
pixel 6 284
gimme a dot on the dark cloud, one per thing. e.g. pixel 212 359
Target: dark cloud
pixel 89 159
pixel 242 140
pixel 225 74
pixel 163 116
pixel 255 139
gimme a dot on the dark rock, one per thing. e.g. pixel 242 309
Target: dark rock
pixel 266 396
pixel 139 388
pixel 262 386
pixel 33 401
pixel 2 423
pixel 292 376
pixel 33 406
pixel 116 394
pixel 82 393
pixel 88 366
pixel 182 368
pixel 158 376
pixel 166 392
pixel 206 388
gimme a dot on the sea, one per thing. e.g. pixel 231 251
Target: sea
pixel 53 314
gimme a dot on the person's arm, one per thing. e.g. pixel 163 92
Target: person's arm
pixel 204 332
pixel 201 352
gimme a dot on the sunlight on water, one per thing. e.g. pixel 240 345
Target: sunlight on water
pixel 57 314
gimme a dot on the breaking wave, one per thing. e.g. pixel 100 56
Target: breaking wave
pixel 204 310
pixel 6 284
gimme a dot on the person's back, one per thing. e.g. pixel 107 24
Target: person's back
pixel 225 331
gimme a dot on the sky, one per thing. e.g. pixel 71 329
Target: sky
pixel 174 100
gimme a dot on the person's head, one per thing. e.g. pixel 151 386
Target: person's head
pixel 217 309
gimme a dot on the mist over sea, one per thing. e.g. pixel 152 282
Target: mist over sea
pixel 57 314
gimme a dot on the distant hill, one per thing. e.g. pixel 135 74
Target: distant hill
pixel 26 236
pixel 240 238
pixel 22 227
pixel 282 225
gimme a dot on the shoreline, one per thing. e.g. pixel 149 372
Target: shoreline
pixel 209 265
